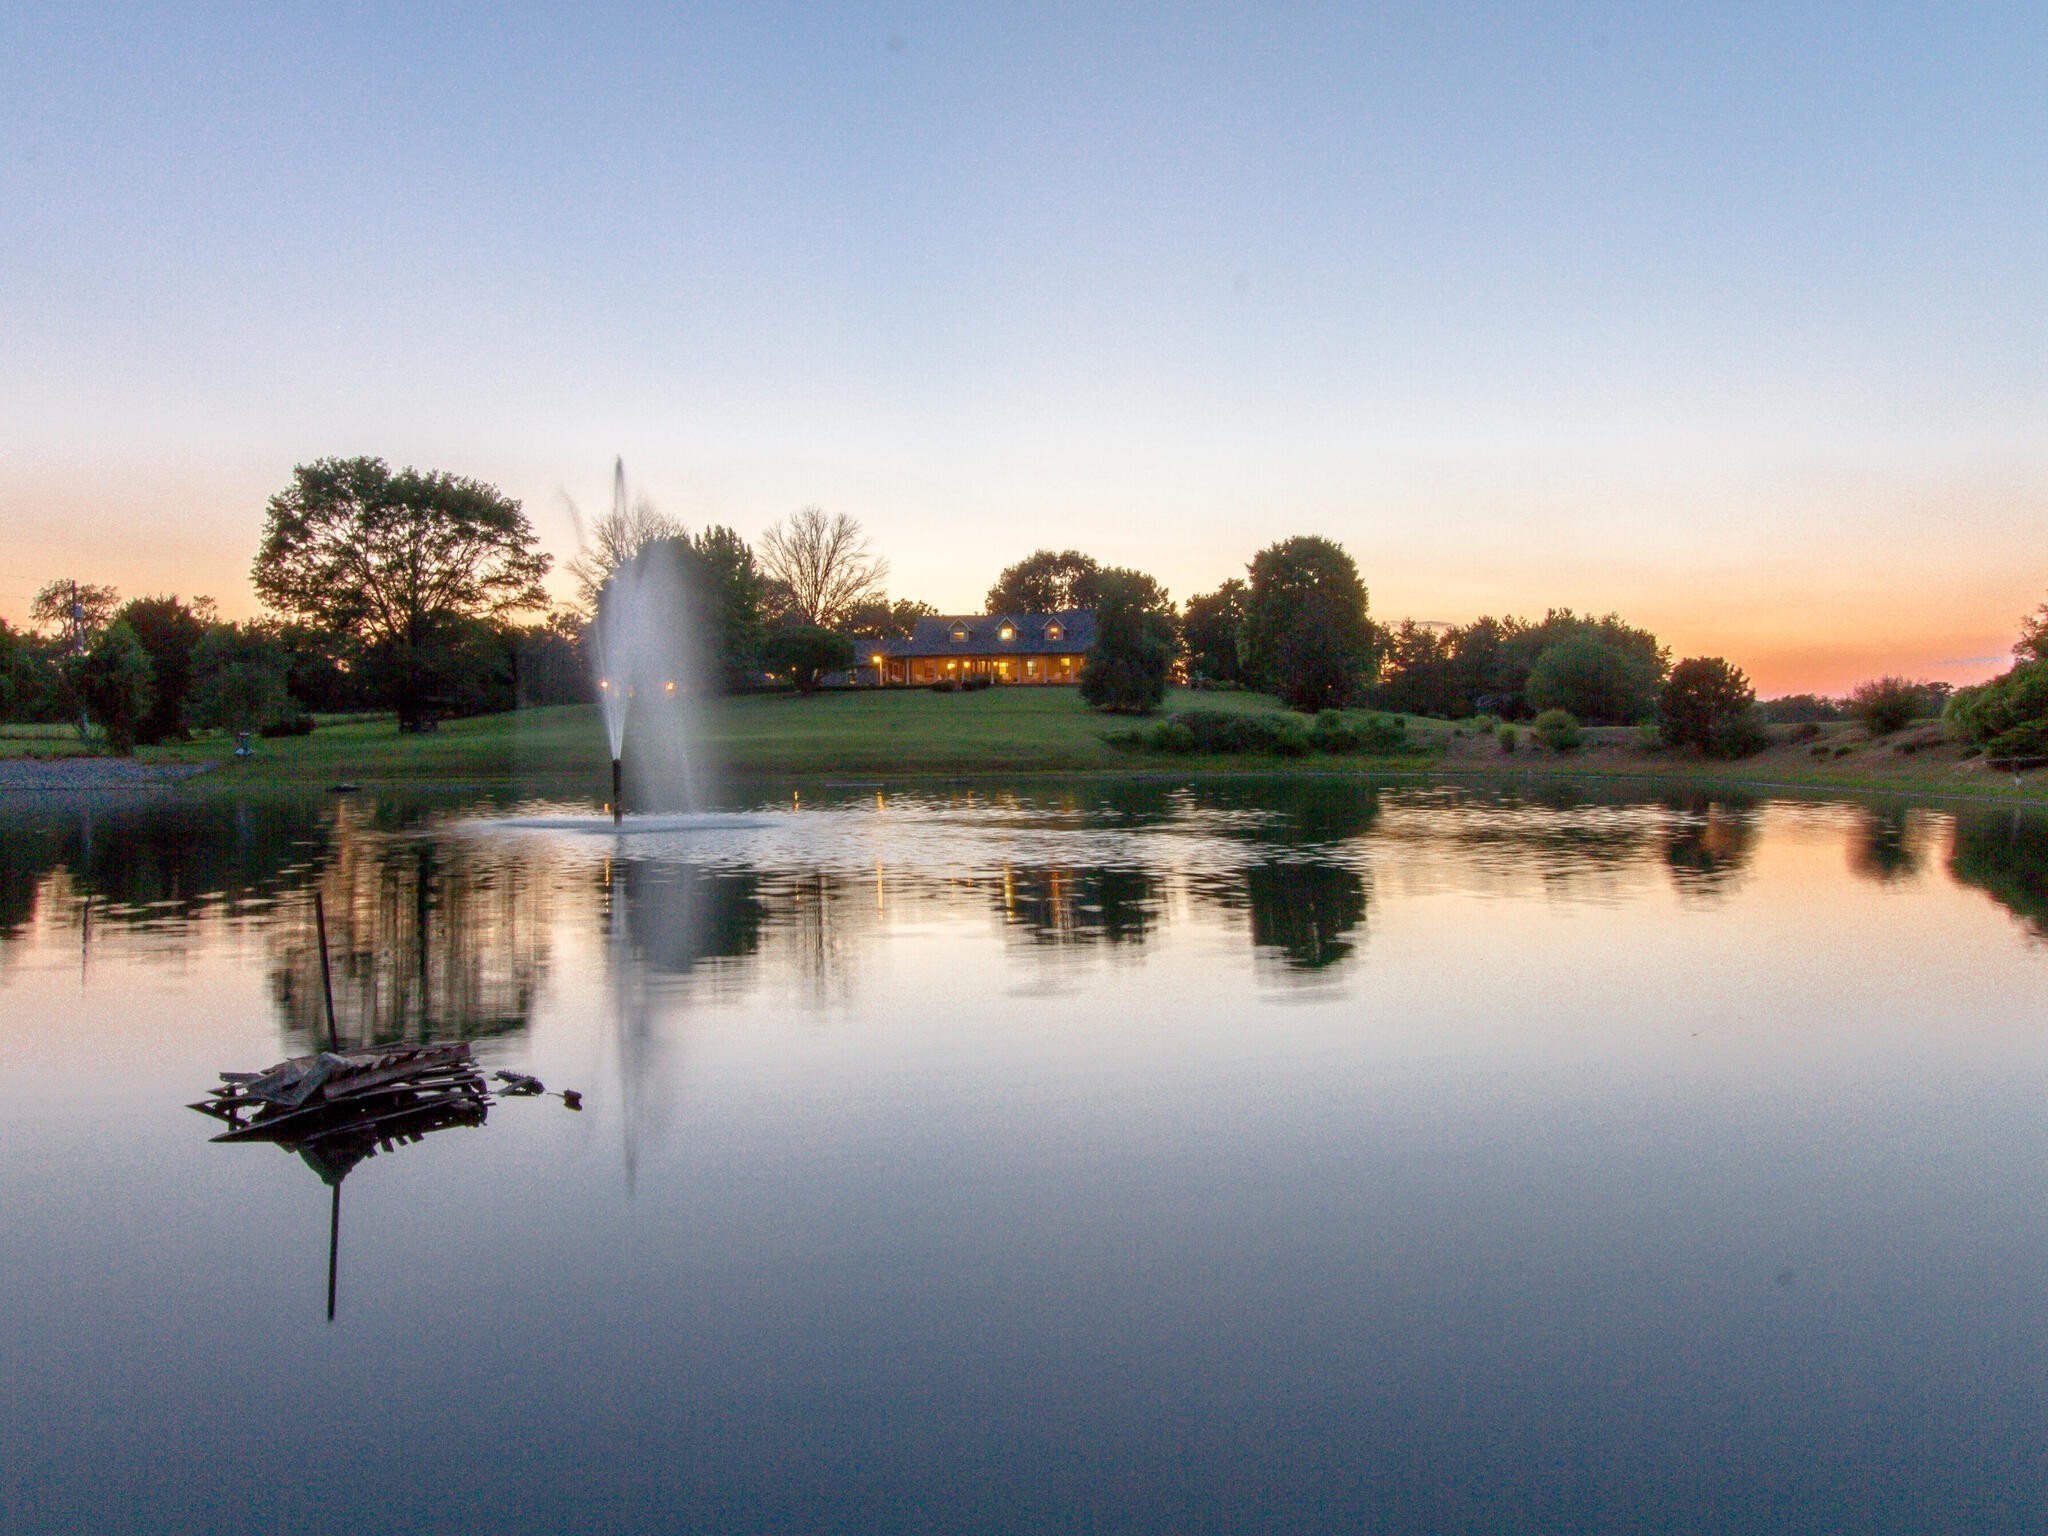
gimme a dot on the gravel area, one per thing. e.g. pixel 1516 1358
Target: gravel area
pixel 40 775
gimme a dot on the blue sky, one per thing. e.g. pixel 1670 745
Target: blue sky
pixel 1731 318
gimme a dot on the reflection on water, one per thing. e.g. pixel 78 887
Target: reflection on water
pixel 1708 840
pixel 430 939
pixel 1886 847
pixel 2005 855
pixel 1414 1157
pixel 440 933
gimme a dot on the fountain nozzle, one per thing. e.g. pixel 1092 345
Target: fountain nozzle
pixel 618 794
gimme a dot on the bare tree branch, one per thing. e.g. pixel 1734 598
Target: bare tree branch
pixel 821 568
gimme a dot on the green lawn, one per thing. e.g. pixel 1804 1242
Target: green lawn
pixel 912 733
pixel 863 734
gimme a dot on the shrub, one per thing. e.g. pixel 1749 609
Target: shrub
pixel 1506 736
pixel 1170 736
pixel 1330 732
pixel 1805 730
pixel 975 684
pixel 1886 704
pixel 1486 725
pixel 298 724
pixel 1557 730
pixel 1740 734
pixel 1384 735
pixel 944 685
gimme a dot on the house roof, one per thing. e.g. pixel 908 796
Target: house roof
pixel 981 634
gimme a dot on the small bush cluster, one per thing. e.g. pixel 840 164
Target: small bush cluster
pixel 1557 730
pixel 975 684
pixel 298 724
pixel 1507 736
pixel 1218 733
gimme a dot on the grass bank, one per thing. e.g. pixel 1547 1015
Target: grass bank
pixel 909 734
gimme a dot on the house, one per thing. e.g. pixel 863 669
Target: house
pixel 1002 647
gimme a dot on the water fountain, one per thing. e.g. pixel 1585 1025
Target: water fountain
pixel 648 679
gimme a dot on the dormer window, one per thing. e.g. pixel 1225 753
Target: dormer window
pixel 960 632
pixel 1009 631
pixel 1053 632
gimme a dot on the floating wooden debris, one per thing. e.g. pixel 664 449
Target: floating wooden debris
pixel 337 1108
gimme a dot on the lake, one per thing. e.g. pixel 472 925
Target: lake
pixel 1229 1156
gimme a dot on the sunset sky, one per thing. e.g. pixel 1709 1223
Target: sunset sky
pixel 1731 319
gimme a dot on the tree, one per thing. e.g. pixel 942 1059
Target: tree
pixel 169 631
pixel 806 653
pixel 2033 641
pixel 1702 703
pixel 730 595
pixel 1307 634
pixel 73 613
pixel 819 569
pixel 1595 680
pixel 1420 676
pixel 1135 641
pixel 1050 581
pixel 114 677
pixel 619 535
pixel 1211 626
pixel 76 610
pixel 238 679
pixel 882 620
pixel 397 562
pixel 1887 704
pixel 2008 716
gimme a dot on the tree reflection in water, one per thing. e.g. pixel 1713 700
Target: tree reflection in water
pixel 1883 847
pixel 2005 855
pixel 430 939
pixel 1708 841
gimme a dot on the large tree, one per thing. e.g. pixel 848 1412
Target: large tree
pixel 398 561
pixel 1307 634
pixel 1050 581
pixel 1136 637
pixel 169 631
pixel 820 568
pixel 1704 704
pixel 1212 627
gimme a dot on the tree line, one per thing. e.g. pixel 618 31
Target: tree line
pixel 420 592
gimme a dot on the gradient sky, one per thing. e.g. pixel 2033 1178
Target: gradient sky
pixel 1733 319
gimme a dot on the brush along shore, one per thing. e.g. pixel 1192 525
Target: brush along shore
pixel 910 734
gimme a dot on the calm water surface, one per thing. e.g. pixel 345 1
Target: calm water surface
pixel 1143 1158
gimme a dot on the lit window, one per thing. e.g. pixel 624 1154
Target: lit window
pixel 1052 631
pixel 959 631
pixel 1009 632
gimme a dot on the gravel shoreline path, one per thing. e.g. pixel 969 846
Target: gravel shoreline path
pixel 43 775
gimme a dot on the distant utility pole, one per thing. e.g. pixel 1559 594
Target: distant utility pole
pixel 78 650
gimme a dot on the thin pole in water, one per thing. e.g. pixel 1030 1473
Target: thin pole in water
pixel 326 975
pixel 618 793
pixel 333 1246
